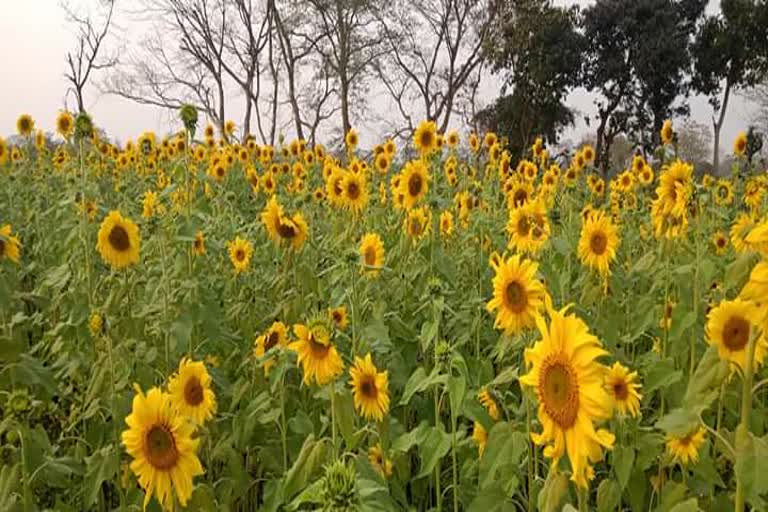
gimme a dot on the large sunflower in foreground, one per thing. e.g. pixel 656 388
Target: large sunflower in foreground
pixel 119 242
pixel 9 244
pixel 371 254
pixel 240 254
pixel 729 328
pixel 414 183
pixel 318 357
pixel 622 386
pixel 370 389
pixel 164 454
pixel 518 295
pixel 599 242
pixel 191 393
pixel 570 388
pixel 276 336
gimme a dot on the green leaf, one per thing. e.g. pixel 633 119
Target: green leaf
pixel 672 494
pixel 345 417
pixel 752 466
pixel 311 458
pixel 406 441
pixel 691 505
pixel 432 448
pixel 502 455
pixel 661 375
pixel 101 466
pixel 678 422
pixel 623 458
pixel 419 382
pixel 555 489
pixel 491 500
pixel 608 496
pixel 644 264
pixel 203 499
pixel 457 387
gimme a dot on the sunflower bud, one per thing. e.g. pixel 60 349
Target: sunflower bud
pixel 19 401
pixel 339 490
pixel 83 126
pixel 188 114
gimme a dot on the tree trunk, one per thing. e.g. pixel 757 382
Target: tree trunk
pixel 79 96
pixel 345 106
pixel 248 109
pixel 600 150
pixel 294 101
pixel 717 124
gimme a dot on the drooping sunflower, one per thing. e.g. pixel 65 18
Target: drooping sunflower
pixel 518 295
pixel 487 400
pixel 9 244
pixel 317 355
pixel 164 453
pixel 25 125
pixel 339 317
pixel 622 386
pixel 598 242
pixel 568 380
pixel 355 188
pixel 380 462
pixel 351 139
pixel 371 254
pixel 414 182
pixel 198 245
pixel 667 132
pixel 418 223
pixel 275 336
pixel 741 227
pixel 446 223
pixel 685 449
pixel 191 393
pixel 729 328
pixel 425 137
pixel 118 242
pixel 740 144
pixel 240 254
pixel 370 388
pixel 65 124
pixel 720 243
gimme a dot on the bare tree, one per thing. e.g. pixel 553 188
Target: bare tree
pixel 87 57
pixel 433 48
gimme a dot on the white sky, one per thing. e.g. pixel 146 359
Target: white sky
pixel 34 80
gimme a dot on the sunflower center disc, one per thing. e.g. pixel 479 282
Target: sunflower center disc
pixel 370 256
pixel 319 350
pixel 426 139
pixel 520 197
pixel 118 239
pixel 523 226
pixel 239 255
pixel 559 391
pixel 620 390
pixel 286 230
pixel 2 247
pixel 161 448
pixel 368 388
pixel 415 227
pixel 193 392
pixel 414 185
pixel 353 191
pixel 517 298
pixel 271 341
pixel 598 243
pixel 736 333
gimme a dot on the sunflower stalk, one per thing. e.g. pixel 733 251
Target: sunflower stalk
pixel 742 431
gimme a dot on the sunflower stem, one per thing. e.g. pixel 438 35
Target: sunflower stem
pixel 742 431
pixel 454 462
pixel 438 493
pixel 283 425
pixel 531 454
pixel 583 500
pixel 333 421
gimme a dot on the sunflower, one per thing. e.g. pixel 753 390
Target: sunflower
pixel 569 385
pixel 230 127
pixel 588 152
pixel 333 186
pixel 370 388
pixel 425 137
pixel 118 242
pixel 474 143
pixel 418 223
pixel 25 125
pixel 198 245
pixel 529 227
pixel 685 449
pixel 240 253
pixel 667 132
pixel 729 328
pixel 351 139
pixel 740 144
pixel 414 182
pixel 164 453
pixel 96 324
pixel 65 124
pixel 645 176
pixel 151 205
pixel 598 242
pixel 379 460
pixel 520 192
pixel 318 357
pixel 355 189
pixel 480 436
pixel 446 223
pixel 489 139
pixel 452 139
pixel 622 386
pixel 382 163
pixel 675 187
pixel 487 400
pixel 720 243
pixel 371 254
pixel 3 151
pixel 517 295
pixel 191 393
pixel 9 244
pixel 276 336
pixel 339 317
pixel 723 192
pixel 756 288
pixel 741 228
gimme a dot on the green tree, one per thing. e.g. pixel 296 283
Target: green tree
pixel 730 53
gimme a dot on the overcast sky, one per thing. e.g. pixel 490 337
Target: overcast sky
pixel 33 80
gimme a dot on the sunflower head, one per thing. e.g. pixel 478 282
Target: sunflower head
pixel 25 125
pixel 190 390
pixel 275 336
pixel 371 254
pixel 370 389
pixel 731 325
pixel 118 241
pixel 379 460
pixel 240 254
pixel 623 388
pixel 685 449
pixel 10 247
pixel 740 144
pixel 518 296
pixel 667 132
pixel 339 317
pixel 425 137
pixel 598 242
pixel 317 355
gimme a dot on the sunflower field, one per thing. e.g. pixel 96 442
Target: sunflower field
pixel 201 323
